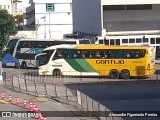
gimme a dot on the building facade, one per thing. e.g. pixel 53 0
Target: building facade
pixel 112 16
pixel 50 19
pixel 6 4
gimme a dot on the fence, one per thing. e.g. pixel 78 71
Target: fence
pixel 38 87
pixel 33 76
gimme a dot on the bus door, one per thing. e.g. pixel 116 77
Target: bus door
pixel 158 54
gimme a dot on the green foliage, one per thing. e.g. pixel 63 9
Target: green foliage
pixel 7 26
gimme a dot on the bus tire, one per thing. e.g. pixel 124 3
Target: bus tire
pixel 4 65
pixel 114 74
pixel 57 72
pixel 24 65
pixel 125 74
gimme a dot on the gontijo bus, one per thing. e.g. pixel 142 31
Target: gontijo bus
pixel 97 60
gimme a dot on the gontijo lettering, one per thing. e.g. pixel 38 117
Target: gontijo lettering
pixel 109 61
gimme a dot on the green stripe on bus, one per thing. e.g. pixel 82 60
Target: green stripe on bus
pixel 73 63
pixel 83 63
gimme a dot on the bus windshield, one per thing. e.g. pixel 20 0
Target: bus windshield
pixel 44 57
pixel 10 46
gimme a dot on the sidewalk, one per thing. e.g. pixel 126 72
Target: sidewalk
pixel 46 106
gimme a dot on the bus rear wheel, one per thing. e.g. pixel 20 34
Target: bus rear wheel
pixel 114 74
pixel 125 74
pixel 16 65
pixel 57 72
pixel 24 65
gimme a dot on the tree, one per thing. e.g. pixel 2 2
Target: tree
pixel 7 26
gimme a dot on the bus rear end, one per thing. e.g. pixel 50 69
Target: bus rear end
pixel 151 61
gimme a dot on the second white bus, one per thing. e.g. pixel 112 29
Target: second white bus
pixel 129 40
pixel 26 49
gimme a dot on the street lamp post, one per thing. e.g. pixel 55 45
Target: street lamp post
pixel 49 25
pixel 37 25
pixel 44 18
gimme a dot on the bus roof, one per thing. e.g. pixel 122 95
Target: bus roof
pixel 102 46
pixel 59 46
pixel 38 39
pixel 95 46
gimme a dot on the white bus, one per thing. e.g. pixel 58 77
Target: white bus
pixel 150 40
pixel 26 49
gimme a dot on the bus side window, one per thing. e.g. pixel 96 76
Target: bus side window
pixel 58 55
pixel 86 54
pixel 79 55
pixel 55 56
pixel 92 54
pixel 97 54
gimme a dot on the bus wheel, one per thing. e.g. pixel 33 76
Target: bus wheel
pixel 24 65
pixel 57 72
pixel 125 74
pixel 114 74
pixel 16 65
pixel 4 65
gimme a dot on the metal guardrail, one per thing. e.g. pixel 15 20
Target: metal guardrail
pixel 39 87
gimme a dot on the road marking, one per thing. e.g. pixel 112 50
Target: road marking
pixel 36 99
pixel 39 99
pixel 3 102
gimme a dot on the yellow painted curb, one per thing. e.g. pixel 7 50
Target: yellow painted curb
pixel 36 99
pixel 4 102
pixel 39 99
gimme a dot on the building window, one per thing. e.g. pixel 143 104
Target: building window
pixel 138 7
pixel 49 7
pixel 70 6
pixel 0 6
pixel 4 6
pixel 127 7
pixel 113 7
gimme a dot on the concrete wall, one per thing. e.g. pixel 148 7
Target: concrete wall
pixel 87 16
pixel 132 20
pixel 128 2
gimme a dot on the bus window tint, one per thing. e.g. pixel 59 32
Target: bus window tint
pixel 152 40
pixel 124 40
pixel 145 40
pixel 100 41
pixel 10 46
pixel 60 54
pixel 116 54
pixel 111 41
pixel 43 59
pixel 12 43
pixel 106 41
pixel 71 53
pixel 157 40
pixel 157 52
pixel 80 54
pixel 117 41
pixel 138 40
pixel 131 40
pixel 58 42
